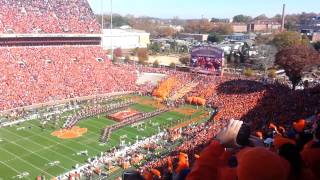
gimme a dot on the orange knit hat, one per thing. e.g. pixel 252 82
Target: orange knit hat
pixel 279 141
pixel 260 163
pixel 299 125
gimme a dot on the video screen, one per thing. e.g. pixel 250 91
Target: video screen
pixel 206 63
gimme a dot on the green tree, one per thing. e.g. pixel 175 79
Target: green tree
pixel 155 47
pixel 317 45
pixel 183 49
pixel 214 37
pixel 277 18
pixel 296 60
pixel 242 18
pixel 117 20
pixel 287 39
pixel 156 64
pixel 244 52
pixel 173 46
pixel 261 17
pixel 290 26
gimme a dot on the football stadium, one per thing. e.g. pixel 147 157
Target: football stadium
pixel 68 111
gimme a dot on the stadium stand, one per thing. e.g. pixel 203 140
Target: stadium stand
pixel 31 75
pixel 32 16
pixel 36 75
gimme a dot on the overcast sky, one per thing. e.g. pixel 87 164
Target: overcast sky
pixel 205 8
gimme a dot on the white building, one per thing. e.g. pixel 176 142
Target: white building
pixel 125 38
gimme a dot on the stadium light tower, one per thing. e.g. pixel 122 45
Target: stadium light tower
pixel 102 15
pixel 102 23
pixel 111 30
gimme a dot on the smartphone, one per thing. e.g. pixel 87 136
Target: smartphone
pixel 243 135
pixel 131 175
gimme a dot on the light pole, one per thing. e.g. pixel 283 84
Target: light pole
pixel 102 24
pixel 102 16
pixel 111 30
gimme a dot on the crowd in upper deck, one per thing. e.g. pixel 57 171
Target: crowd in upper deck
pixel 51 16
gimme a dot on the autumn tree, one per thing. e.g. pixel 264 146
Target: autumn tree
pixel 224 29
pixel 198 26
pixel 287 39
pixel 156 64
pixel 165 31
pixel 296 60
pixel 184 60
pixel 172 65
pixel 143 56
pixel 144 24
pixel 248 72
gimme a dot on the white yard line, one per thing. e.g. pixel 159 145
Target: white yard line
pixel 37 135
pixel 26 138
pixel 44 158
pixel 28 163
pixel 12 169
pixel 73 140
pixel 27 154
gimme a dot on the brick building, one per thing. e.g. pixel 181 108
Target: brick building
pixel 263 26
pixel 239 27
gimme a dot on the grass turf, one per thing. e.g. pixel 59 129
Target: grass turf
pixel 31 149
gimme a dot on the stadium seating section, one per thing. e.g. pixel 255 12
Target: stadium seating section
pixel 47 16
pixel 40 74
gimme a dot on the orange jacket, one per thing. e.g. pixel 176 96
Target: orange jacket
pixel 311 158
pixel 212 164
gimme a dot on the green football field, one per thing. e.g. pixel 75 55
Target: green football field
pixel 32 150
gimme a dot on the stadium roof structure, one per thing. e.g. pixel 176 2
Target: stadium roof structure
pixel 49 35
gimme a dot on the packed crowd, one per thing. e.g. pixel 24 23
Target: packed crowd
pixel 255 102
pixel 273 153
pixel 31 75
pixel 194 139
pixel 260 104
pixel 32 16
